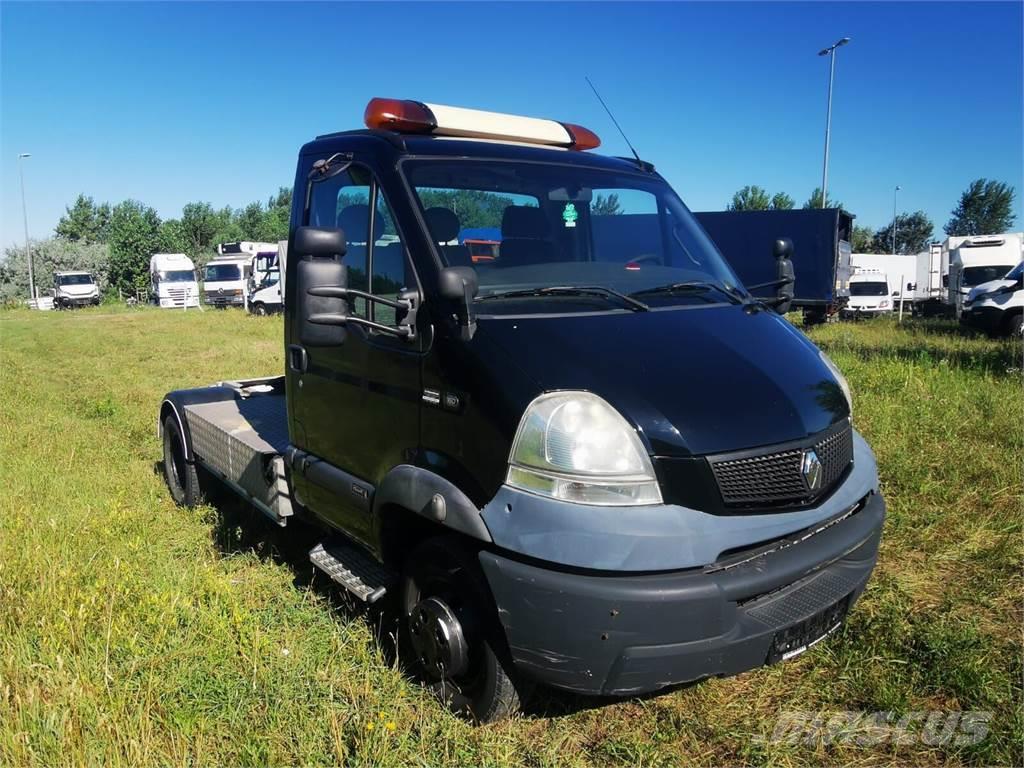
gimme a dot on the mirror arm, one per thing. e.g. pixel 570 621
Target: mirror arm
pixel 401 331
pixel 769 284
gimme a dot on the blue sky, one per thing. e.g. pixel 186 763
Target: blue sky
pixel 169 103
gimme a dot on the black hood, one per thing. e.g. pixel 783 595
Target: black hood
pixel 693 380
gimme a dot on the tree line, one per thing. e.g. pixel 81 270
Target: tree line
pixel 115 242
pixel 984 208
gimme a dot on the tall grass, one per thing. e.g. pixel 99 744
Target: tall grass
pixel 136 633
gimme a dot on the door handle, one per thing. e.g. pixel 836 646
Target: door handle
pixel 298 359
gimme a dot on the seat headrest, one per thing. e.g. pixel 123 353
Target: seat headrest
pixel 443 224
pixel 354 220
pixel 524 221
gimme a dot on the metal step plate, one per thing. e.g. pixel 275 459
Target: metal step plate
pixel 353 568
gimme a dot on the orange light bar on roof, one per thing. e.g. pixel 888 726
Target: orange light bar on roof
pixel 406 116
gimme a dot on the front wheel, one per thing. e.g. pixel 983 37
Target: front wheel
pixel 1015 326
pixel 259 309
pixel 450 630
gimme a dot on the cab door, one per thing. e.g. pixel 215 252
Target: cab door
pixel 355 407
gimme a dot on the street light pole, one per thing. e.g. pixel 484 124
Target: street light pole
pixel 24 215
pixel 894 225
pixel 831 53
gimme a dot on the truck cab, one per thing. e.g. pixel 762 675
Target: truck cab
pixel 74 289
pixel 869 294
pixel 265 289
pixel 978 260
pixel 172 280
pixel 594 462
pixel 997 306
pixel 224 281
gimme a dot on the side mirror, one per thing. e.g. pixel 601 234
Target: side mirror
pixel 319 252
pixel 945 281
pixel 895 293
pixel 783 248
pixel 461 284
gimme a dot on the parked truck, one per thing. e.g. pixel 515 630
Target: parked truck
pixel 74 289
pixel 594 462
pixel 979 259
pixel 266 294
pixel 997 306
pixel 225 279
pixel 821 252
pixel 172 280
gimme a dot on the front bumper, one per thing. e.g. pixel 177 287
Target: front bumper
pixel 986 319
pixel 631 634
pixel 77 301
pixel 214 300
pixel 856 312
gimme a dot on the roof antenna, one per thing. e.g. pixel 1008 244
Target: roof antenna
pixel 621 132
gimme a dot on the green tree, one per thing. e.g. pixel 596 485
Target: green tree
pixel 913 234
pixel 134 237
pixel 171 237
pixel 199 225
pixel 606 205
pixel 750 198
pixel 814 201
pixel 252 220
pixel 861 239
pixel 83 221
pixel 782 202
pixel 985 208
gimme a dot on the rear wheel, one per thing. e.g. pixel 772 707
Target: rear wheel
pixel 181 475
pixel 450 631
pixel 1014 326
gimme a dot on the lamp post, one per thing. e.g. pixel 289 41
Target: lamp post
pixel 24 215
pixel 831 53
pixel 894 225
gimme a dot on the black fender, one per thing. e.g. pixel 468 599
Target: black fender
pixel 175 402
pixel 415 489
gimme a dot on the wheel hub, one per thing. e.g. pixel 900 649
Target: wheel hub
pixel 438 638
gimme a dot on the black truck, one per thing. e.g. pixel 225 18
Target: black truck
pixel 593 461
pixel 821 252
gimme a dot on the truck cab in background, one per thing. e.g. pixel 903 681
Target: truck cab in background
pixel 74 289
pixel 172 280
pixel 870 294
pixel 224 281
pixel 997 306
pixel 980 259
pixel 265 291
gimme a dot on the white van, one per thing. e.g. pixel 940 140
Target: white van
pixel 266 288
pixel 74 289
pixel 869 294
pixel 997 307
pixel 172 280
pixel 978 260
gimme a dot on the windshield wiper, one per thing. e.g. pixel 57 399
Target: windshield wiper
pixel 568 290
pixel 694 286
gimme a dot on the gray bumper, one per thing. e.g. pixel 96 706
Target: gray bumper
pixel 629 634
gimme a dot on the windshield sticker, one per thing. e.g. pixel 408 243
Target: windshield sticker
pixel 569 215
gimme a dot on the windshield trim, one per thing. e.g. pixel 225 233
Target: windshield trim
pixel 600 312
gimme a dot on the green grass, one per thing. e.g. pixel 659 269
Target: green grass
pixel 135 633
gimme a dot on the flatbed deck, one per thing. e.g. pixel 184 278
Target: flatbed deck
pixel 243 440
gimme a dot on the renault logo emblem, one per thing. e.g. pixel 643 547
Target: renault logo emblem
pixel 810 468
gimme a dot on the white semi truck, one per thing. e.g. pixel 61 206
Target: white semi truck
pixel 172 280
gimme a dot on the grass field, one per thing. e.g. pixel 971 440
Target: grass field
pixel 135 633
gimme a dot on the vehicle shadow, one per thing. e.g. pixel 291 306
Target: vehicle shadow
pixel 238 528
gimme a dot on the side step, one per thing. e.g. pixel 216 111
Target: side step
pixel 353 568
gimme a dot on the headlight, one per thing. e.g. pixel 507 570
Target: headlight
pixel 843 384
pixel 883 304
pixel 573 446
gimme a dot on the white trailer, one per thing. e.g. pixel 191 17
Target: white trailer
pixel 172 280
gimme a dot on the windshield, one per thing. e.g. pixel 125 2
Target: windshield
pixel 216 273
pixel 1016 272
pixel 530 226
pixel 978 275
pixel 868 289
pixel 74 280
pixel 177 276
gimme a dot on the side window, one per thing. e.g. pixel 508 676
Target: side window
pixel 389 270
pixel 344 201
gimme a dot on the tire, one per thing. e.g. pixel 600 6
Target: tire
pixel 1015 325
pixel 446 569
pixel 259 309
pixel 181 475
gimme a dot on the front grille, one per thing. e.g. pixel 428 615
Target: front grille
pixel 775 477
